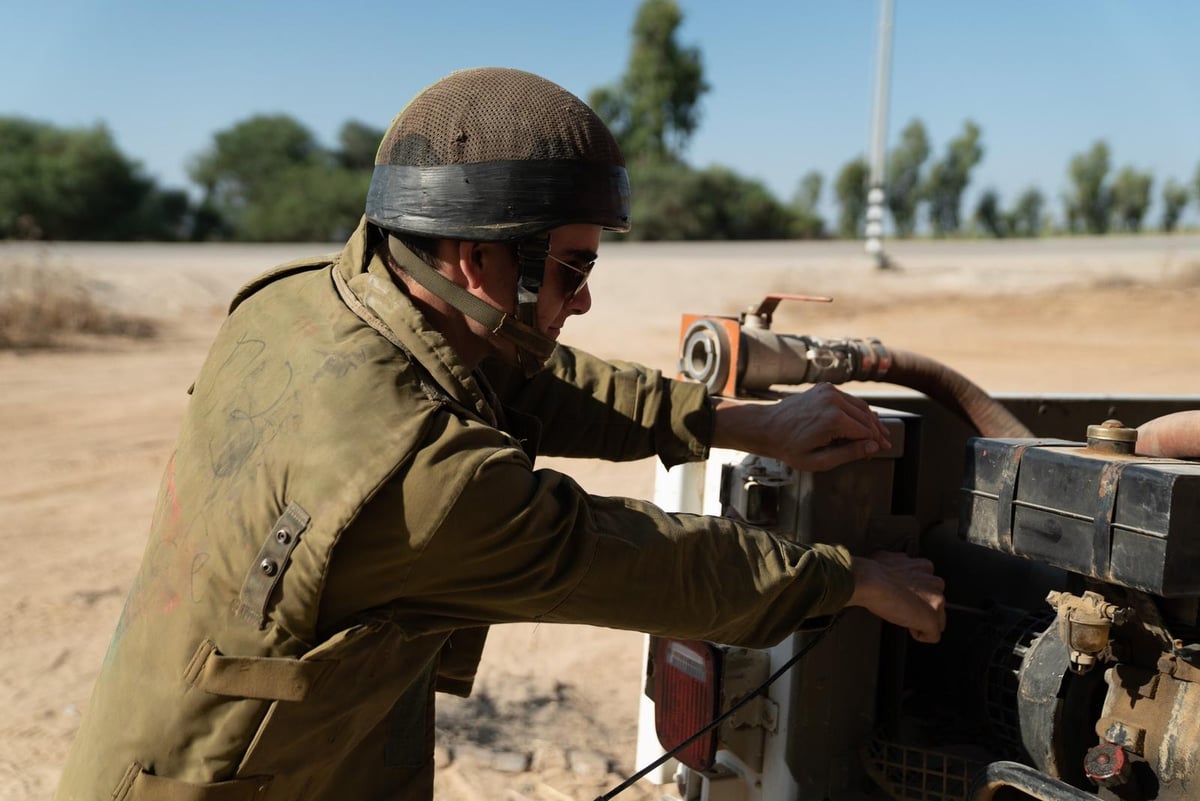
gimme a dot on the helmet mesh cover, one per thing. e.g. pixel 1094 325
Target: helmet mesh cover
pixel 496 114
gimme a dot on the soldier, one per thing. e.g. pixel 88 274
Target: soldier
pixel 352 498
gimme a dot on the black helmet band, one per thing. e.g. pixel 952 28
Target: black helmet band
pixel 498 200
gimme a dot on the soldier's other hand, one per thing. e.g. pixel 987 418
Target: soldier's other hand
pixel 902 590
pixel 1175 436
pixel 818 429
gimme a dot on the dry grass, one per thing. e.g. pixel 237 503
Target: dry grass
pixel 1189 276
pixel 50 307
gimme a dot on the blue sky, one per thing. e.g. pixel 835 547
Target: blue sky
pixel 791 80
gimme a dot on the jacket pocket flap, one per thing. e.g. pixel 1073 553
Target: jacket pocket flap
pixel 138 785
pixel 264 677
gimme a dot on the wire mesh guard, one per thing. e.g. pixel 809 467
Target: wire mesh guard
pixel 909 773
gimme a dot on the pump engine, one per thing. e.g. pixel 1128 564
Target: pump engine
pixel 1070 664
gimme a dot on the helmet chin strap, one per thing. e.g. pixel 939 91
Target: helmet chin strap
pixel 533 347
pixel 531 266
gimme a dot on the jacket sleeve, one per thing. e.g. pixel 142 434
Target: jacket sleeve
pixel 616 411
pixel 509 543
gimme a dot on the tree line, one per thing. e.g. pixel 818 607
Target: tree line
pixel 654 110
pixel 267 178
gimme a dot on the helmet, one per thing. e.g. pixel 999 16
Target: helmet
pixel 496 154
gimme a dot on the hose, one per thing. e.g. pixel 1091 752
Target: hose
pixel 763 359
pixel 954 391
pixel 1033 783
pixel 1174 436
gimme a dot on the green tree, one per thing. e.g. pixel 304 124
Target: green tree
pixel 807 222
pixel 1130 198
pixel 164 214
pixel 851 190
pixel 664 202
pixel 268 179
pixel 1196 183
pixel 654 109
pixel 246 159
pixel 74 183
pixel 1174 198
pixel 308 203
pixel 1025 218
pixel 904 177
pixel 948 178
pixel 357 143
pixel 988 216
pixel 1090 204
pixel 674 201
pixel 743 208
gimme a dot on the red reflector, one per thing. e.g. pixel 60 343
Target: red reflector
pixel 687 697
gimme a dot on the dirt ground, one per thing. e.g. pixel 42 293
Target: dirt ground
pixel 86 430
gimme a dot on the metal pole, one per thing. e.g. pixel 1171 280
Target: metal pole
pixel 875 195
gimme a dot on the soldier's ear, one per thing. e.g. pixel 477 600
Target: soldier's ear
pixel 488 266
pixel 470 263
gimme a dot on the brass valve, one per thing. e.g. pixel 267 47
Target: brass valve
pixel 1084 624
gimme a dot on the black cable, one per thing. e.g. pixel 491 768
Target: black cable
pixel 808 646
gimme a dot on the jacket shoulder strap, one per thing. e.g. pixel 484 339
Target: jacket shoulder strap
pixel 282 271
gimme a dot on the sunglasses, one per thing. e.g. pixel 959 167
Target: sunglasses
pixel 575 277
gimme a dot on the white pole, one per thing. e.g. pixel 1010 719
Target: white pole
pixel 875 195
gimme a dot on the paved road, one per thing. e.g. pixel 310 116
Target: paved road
pixel 910 252
pixel 179 276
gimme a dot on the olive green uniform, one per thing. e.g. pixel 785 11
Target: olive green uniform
pixel 348 507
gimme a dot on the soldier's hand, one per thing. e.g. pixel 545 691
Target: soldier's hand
pixel 1175 436
pixel 902 590
pixel 818 429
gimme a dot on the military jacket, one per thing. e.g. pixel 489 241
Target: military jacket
pixel 348 507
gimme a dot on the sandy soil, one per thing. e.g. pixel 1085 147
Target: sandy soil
pixel 85 432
